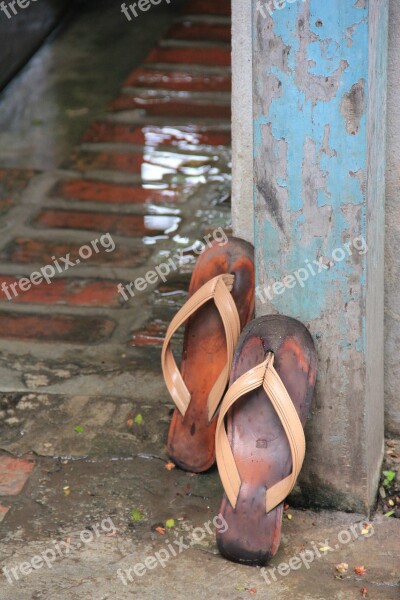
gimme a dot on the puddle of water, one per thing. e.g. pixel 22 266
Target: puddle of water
pixel 162 223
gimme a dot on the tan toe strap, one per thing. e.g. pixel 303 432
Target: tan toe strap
pixel 263 375
pixel 217 289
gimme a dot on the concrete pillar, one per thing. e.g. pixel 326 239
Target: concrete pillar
pixel 319 98
pixel 242 121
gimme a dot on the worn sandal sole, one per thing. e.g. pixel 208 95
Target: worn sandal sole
pixel 257 438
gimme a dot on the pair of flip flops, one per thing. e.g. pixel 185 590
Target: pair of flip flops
pixel 255 430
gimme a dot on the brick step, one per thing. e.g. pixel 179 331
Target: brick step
pixel 70 292
pixel 114 193
pixel 175 107
pixel 130 225
pixel 187 30
pixel 217 57
pixel 153 334
pixel 211 7
pixel 12 183
pixel 48 328
pixel 179 80
pixel 155 136
pixel 97 161
pixel 31 251
pixel 157 163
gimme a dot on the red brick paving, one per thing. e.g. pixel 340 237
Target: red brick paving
pixel 165 106
pixel 97 191
pixel 179 80
pixel 215 57
pixel 27 251
pixel 49 328
pixel 200 31
pixel 131 225
pixel 72 292
pixel 96 292
pixel 153 136
pixel 14 473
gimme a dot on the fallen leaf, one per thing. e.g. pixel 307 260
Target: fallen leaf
pixel 389 513
pixel 240 588
pixel 366 528
pixel 111 534
pixel 360 570
pixel 170 523
pixel 286 507
pixel 169 466
pixel 325 549
pixel 289 516
pixel 364 592
pixel 79 429
pixel 138 419
pixel 252 591
pixel 129 422
pixel 160 530
pixel 67 490
pixel 342 567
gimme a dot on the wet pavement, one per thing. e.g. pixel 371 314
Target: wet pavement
pixel 119 133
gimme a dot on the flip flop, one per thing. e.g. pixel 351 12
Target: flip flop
pixel 260 449
pixel 220 304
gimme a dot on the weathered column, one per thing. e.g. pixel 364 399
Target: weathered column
pixel 242 120
pixel 319 98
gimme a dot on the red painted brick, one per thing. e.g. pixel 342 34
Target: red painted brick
pixel 179 81
pixel 209 32
pixel 153 334
pixel 14 473
pixel 149 136
pixel 71 292
pixel 217 57
pixel 84 161
pixel 179 107
pixel 28 251
pixel 212 7
pixel 131 225
pixel 115 193
pixel 12 183
pixel 50 328
pixel 3 511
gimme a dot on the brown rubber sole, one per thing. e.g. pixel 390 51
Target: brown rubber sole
pixel 258 440
pixel 191 439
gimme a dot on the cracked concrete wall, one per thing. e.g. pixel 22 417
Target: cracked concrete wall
pixel 392 255
pixel 22 34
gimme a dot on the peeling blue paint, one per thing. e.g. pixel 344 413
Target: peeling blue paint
pixel 299 116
